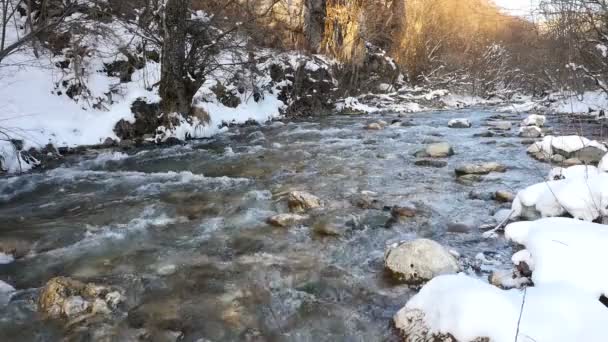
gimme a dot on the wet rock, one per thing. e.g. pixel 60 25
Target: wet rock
pixel 530 132
pixel 415 262
pixel 481 195
pixel 437 150
pixel 330 225
pixel 590 155
pixel 374 126
pixel 504 196
pixel 500 125
pixel 285 220
pixel 365 201
pixel 16 247
pixel 431 163
pixel 166 270
pixel 480 169
pixel 459 123
pixel 403 212
pixel 486 134
pixel 299 201
pixel 256 136
pixel 458 227
pixel 67 298
pixel 469 179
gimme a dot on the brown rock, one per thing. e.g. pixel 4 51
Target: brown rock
pixel 299 201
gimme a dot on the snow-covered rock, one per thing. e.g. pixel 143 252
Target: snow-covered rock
pixel 417 261
pixel 530 132
pixel 460 123
pixel 534 120
pixel 603 164
pixel 469 309
pixel 571 146
pixel 583 194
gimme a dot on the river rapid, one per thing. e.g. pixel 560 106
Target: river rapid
pixel 182 230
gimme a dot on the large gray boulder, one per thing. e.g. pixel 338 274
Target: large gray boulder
pixel 418 261
pixel 436 150
pixel 480 169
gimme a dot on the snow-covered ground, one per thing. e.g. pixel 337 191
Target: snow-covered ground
pixel 565 255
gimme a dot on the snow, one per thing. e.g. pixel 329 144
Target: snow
pixel 352 104
pixel 581 103
pixel 583 194
pixel 603 164
pixel 565 251
pixel 568 144
pixel 461 122
pixel 576 171
pixel 534 120
pixel 6 258
pixel 469 308
pixel 37 110
pixel 5 288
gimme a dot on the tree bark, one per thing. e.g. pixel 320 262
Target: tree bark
pixel 315 12
pixel 174 88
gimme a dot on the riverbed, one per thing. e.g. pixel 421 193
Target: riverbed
pixel 182 230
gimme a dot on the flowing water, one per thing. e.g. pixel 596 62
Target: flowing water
pixel 183 229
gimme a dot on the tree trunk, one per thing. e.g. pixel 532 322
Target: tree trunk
pixel 314 22
pixel 174 89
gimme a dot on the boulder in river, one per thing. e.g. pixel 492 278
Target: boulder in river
pixel 500 125
pixel 431 163
pixel 300 201
pixel 436 150
pixel 285 220
pixel 480 169
pixel 530 132
pixel 534 120
pixel 68 298
pixel 400 212
pixel 460 123
pixel 415 262
pixel 376 126
pixel 504 196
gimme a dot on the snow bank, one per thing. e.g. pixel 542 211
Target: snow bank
pixel 581 103
pixel 468 308
pixel 582 194
pixel 565 251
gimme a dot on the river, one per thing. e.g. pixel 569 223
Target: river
pixel 183 229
